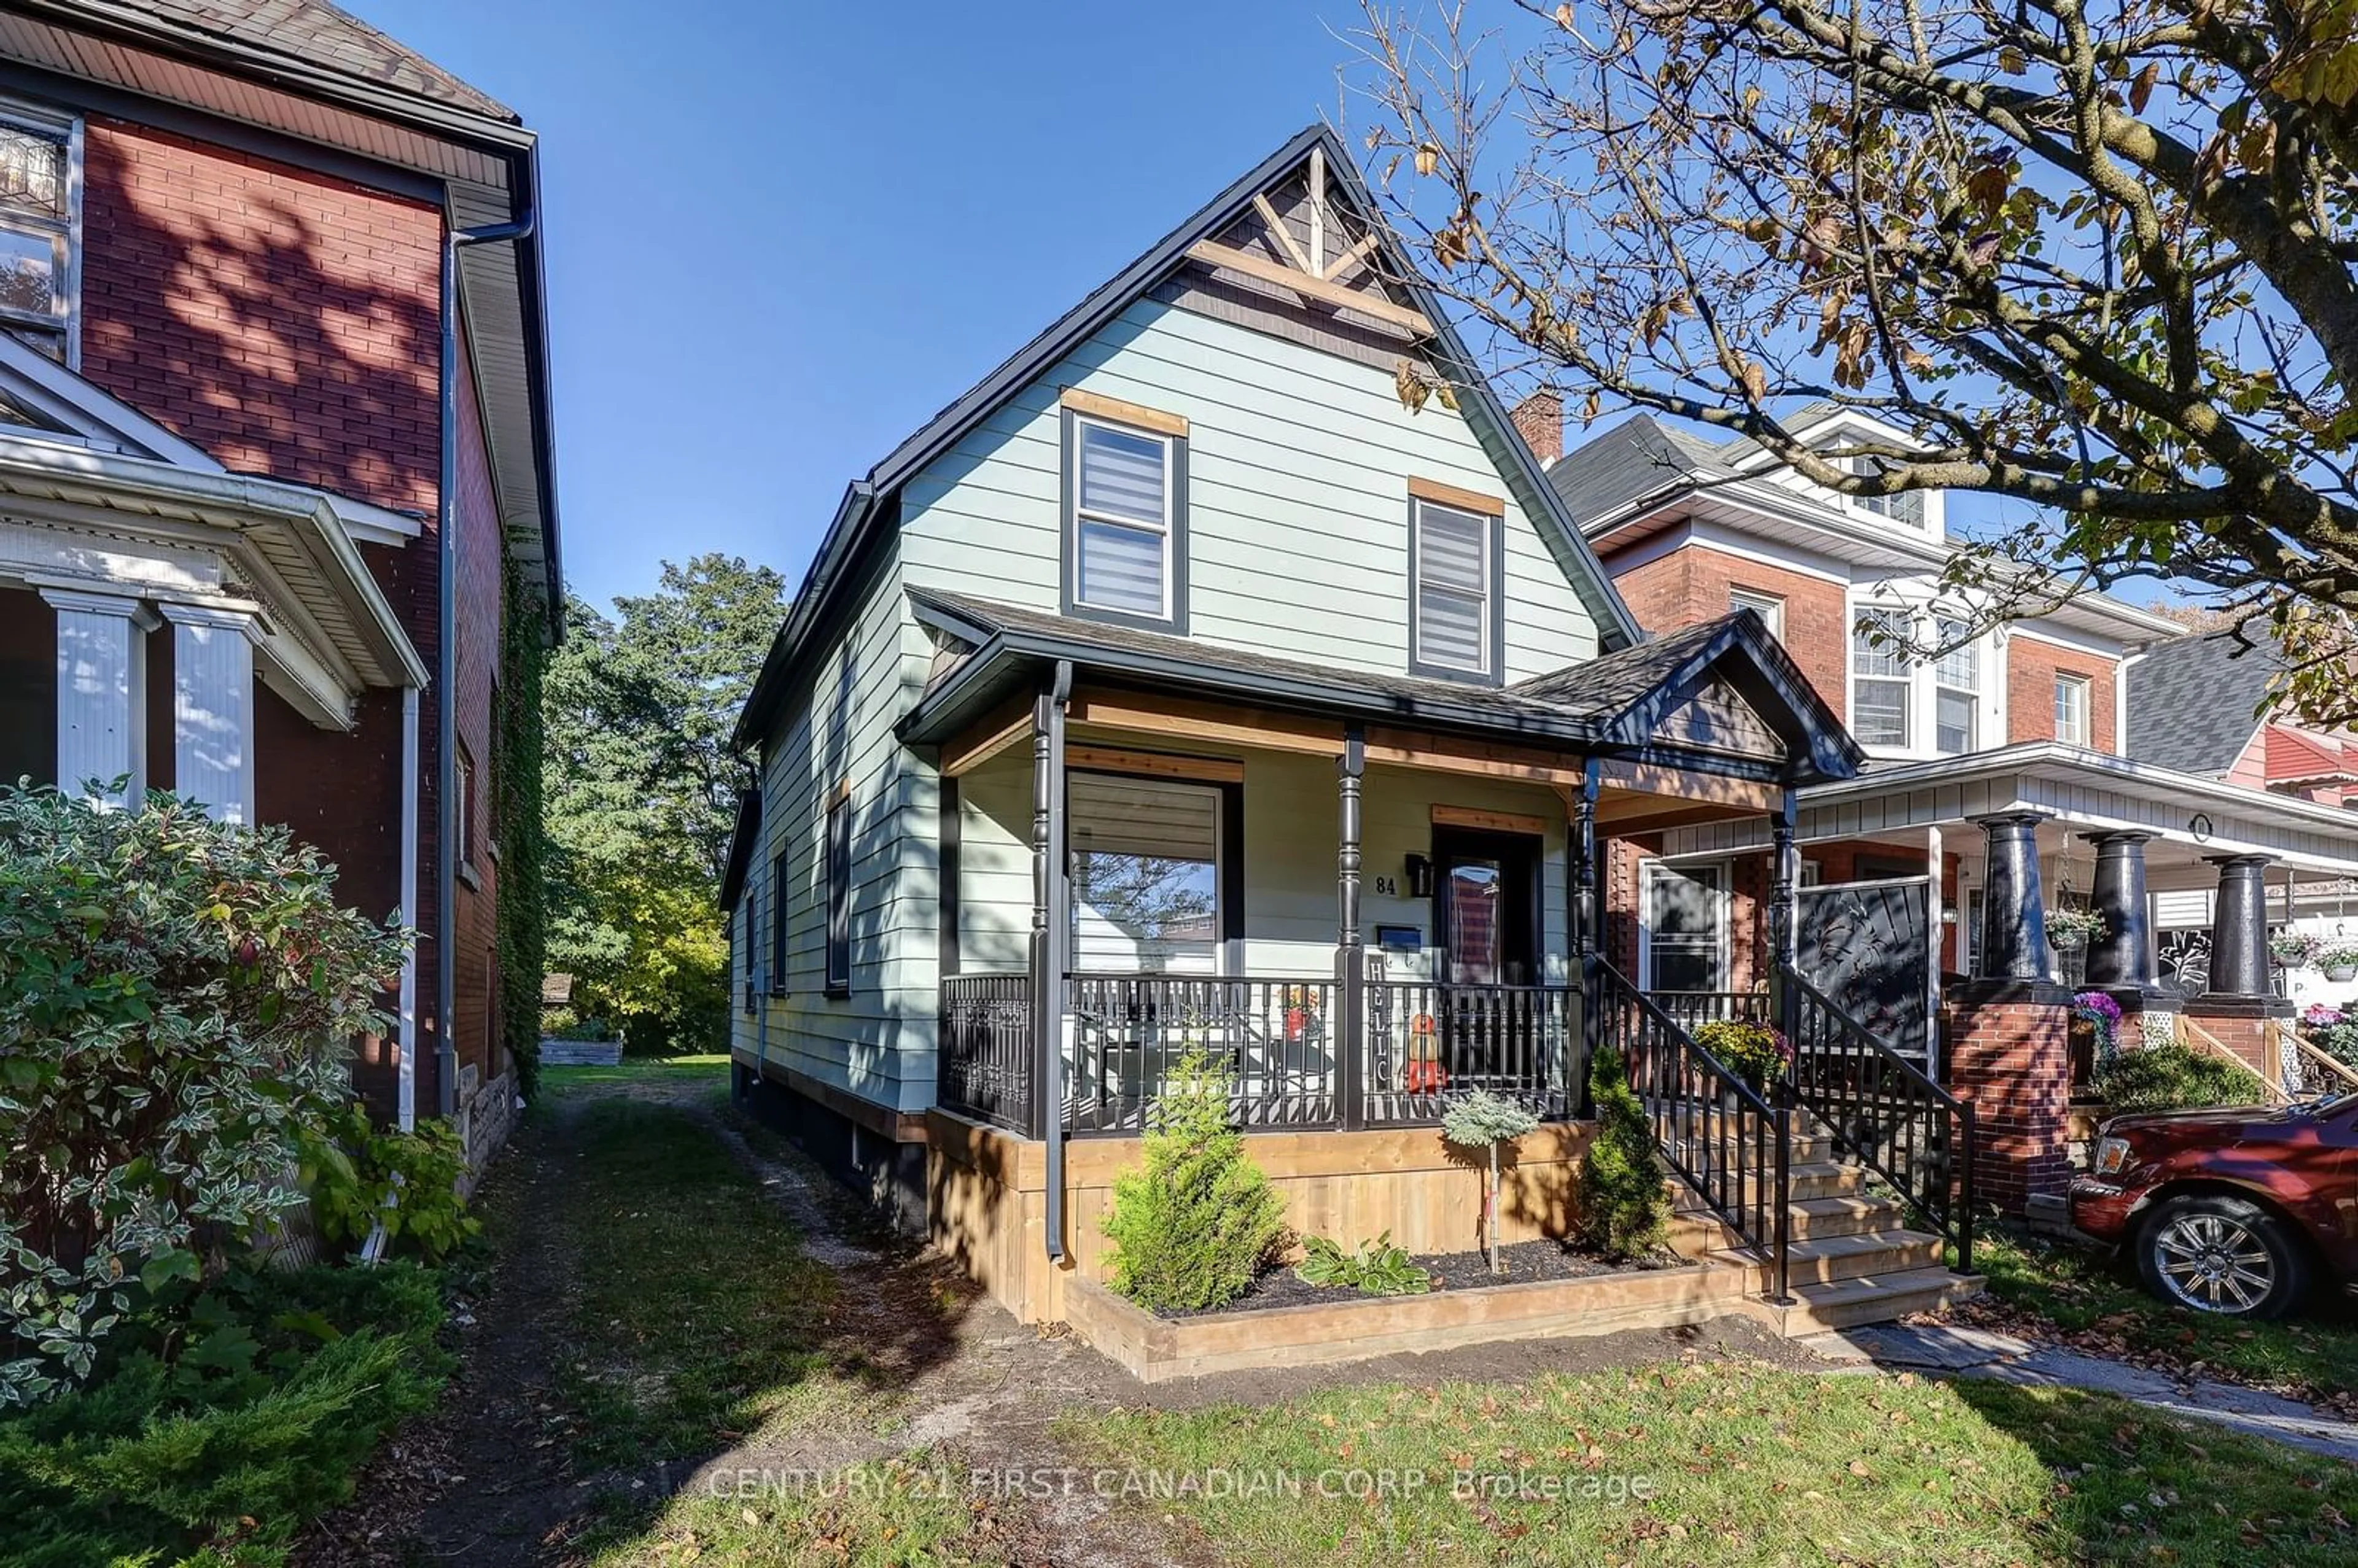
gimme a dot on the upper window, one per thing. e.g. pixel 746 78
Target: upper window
pixel 40 193
pixel 1768 606
pixel 1126 518
pixel 2072 709
pixel 1453 599
pixel 1880 682
pixel 838 894
pixel 1957 690
pixel 1907 506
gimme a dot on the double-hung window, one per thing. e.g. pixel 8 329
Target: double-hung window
pixel 1125 516
pixel 778 924
pixel 1881 687
pixel 1453 598
pixel 2072 709
pixel 1768 606
pixel 1956 689
pixel 40 197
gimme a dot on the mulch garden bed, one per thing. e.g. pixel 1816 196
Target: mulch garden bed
pixel 1524 1263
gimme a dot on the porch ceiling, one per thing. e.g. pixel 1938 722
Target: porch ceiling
pixel 1718 701
pixel 2084 791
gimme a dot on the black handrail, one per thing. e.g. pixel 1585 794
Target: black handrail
pixel 1885 1112
pixel 1720 1134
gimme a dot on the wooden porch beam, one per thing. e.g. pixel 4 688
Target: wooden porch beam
pixel 1154 765
pixel 1440 753
pixel 1211 253
pixel 1194 719
pixel 1653 778
pixel 1008 723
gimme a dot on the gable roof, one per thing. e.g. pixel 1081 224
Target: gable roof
pixel 314 33
pixel 1637 457
pixel 869 503
pixel 2194 701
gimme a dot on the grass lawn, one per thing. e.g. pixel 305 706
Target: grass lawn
pixel 2100 1306
pixel 638 1070
pixel 1740 1464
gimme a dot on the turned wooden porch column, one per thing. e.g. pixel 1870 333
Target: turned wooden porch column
pixel 1350 967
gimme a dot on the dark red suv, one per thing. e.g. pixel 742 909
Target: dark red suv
pixel 2230 1211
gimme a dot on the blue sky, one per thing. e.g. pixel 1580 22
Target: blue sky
pixel 782 236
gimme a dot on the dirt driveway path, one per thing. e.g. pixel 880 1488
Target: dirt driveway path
pixel 498 1477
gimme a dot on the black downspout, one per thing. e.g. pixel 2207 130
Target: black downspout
pixel 1057 949
pixel 446 724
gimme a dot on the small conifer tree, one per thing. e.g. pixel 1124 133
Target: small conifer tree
pixel 1484 1120
pixel 1624 1211
pixel 1198 1221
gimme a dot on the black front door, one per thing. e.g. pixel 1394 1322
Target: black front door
pixel 1486 914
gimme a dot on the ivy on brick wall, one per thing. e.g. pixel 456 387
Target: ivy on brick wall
pixel 522 836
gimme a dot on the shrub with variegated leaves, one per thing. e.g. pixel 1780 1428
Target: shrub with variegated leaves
pixel 178 999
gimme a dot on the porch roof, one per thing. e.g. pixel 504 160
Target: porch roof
pixel 1614 706
pixel 2081 790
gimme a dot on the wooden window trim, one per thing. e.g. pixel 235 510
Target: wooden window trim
pixel 1442 494
pixel 1115 411
pixel 1494 630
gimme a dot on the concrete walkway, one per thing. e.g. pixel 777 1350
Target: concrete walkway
pixel 1977 1353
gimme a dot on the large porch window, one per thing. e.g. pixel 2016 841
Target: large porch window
pixel 1146 882
pixel 1685 947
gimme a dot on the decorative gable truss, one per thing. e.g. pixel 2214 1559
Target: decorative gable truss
pixel 1296 241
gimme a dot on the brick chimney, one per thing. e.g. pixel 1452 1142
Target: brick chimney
pixel 1539 418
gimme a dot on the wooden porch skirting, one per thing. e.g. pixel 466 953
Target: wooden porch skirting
pixel 986 1197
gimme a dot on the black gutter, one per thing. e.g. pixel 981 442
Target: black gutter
pixel 446 721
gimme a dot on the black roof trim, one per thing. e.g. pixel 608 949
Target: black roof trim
pixel 1616 626
pixel 741 840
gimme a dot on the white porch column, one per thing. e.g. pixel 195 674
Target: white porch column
pixel 212 707
pixel 102 692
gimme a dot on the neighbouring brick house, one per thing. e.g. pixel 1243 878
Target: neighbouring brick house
pixel 274 459
pixel 2095 758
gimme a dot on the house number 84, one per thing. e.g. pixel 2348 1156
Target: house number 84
pixel 1386 887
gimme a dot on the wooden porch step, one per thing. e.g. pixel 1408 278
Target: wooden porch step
pixel 1848 1214
pixel 1809 1149
pixel 1865 1298
pixel 1824 1259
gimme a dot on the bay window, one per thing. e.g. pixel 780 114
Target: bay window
pixel 1956 690
pixel 1881 687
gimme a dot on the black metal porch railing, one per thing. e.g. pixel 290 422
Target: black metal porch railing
pixel 1126 1034
pixel 1691 1010
pixel 983 1070
pixel 1723 1139
pixel 1884 1112
pixel 1427 1041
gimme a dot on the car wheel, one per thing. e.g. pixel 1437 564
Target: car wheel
pixel 2222 1255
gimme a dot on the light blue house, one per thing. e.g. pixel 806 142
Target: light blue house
pixel 1219 673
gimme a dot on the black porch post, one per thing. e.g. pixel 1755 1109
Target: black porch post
pixel 2014 912
pixel 1051 938
pixel 2121 954
pixel 1584 923
pixel 1783 877
pixel 1350 969
pixel 2239 927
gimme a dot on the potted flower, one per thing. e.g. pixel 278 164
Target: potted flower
pixel 2340 961
pixel 1753 1051
pixel 2295 950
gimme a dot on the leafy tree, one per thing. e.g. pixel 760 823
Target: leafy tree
pixel 642 790
pixel 2091 255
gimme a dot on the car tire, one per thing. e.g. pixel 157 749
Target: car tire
pixel 2226 1256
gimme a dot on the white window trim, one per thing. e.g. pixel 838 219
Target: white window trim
pixel 1648 872
pixel 1924 681
pixel 1491 634
pixel 2081 684
pixel 1771 607
pixel 1164 528
pixel 46 122
pixel 1972 692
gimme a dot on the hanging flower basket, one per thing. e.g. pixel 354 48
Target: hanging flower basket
pixel 2073 927
pixel 2340 963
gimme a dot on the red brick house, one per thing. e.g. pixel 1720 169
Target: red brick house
pixel 275 460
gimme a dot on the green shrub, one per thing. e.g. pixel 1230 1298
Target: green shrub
pixel 2175 1077
pixel 1196 1226
pixel 1377 1269
pixel 1484 1120
pixel 222 1422
pixel 359 1174
pixel 177 999
pixel 1623 1207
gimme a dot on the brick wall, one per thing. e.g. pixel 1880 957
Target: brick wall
pixel 288 324
pixel 2031 668
pixel 2011 1061
pixel 1692 584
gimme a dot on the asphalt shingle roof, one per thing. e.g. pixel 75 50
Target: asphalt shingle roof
pixel 1637 456
pixel 317 34
pixel 2193 701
